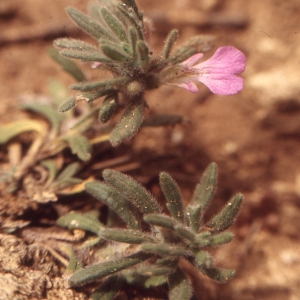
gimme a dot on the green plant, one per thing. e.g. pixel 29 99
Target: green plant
pixel 156 251
pixel 123 49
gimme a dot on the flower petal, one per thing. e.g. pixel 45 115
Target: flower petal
pixel 222 84
pixel 190 86
pixel 226 60
pixel 192 60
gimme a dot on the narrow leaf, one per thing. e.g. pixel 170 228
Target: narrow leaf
pixel 203 260
pixel 114 24
pixel 86 55
pixel 108 108
pixel 15 128
pixel 202 196
pixel 169 43
pixel 88 24
pixel 130 122
pixel 161 220
pixel 132 191
pixel 226 217
pixel 221 275
pixel 108 289
pixel 51 166
pixel 143 54
pixel 103 269
pixel 173 196
pixel 80 146
pixel 126 236
pixel 69 171
pixel 67 65
pixel 59 185
pixel 114 52
pixel 67 104
pixel 197 44
pixel 108 84
pixel 80 221
pixel 180 288
pixel 47 111
pixel 163 249
pixel 222 238
pixel 115 202
pixel 155 281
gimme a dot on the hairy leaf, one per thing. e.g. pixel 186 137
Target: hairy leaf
pixel 126 236
pixel 130 122
pixel 80 146
pixel 180 288
pixel 114 201
pixel 173 196
pixel 103 269
pixel 67 65
pixel 132 191
pixel 80 221
pixel 227 216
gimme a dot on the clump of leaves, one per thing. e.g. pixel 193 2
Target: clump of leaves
pixel 157 251
pixel 122 37
pixel 49 139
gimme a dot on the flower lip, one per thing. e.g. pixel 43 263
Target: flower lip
pixel 219 73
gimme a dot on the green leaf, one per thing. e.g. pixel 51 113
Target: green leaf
pixel 67 65
pixel 114 24
pixel 48 112
pixel 88 24
pixel 130 122
pixel 103 269
pixel 173 196
pixel 116 202
pixel 86 55
pixel 74 263
pixel 69 171
pixel 163 249
pixel 108 108
pixel 15 128
pixel 58 185
pixel 143 54
pixel 114 51
pixel 202 196
pixel 80 146
pixel 203 260
pixel 67 104
pixel 51 166
pixel 161 220
pixel 80 221
pixel 132 191
pixel 103 85
pixel 126 236
pixel 221 275
pixel 227 216
pixel 108 289
pixel 169 43
pixel 197 44
pixel 222 238
pixel 180 288
pixel 155 281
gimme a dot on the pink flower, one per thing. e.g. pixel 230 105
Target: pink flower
pixel 218 73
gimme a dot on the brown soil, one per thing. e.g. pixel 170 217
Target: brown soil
pixel 253 136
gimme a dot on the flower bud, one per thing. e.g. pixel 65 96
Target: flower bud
pixel 134 88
